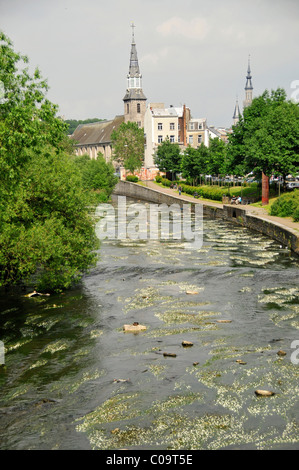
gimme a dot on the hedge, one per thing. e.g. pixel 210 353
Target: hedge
pixel 216 193
pixel 287 205
pixel 132 179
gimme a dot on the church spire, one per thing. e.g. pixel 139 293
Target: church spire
pixel 237 113
pixel 134 71
pixel 248 87
pixel 134 100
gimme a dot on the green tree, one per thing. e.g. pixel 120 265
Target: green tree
pixel 128 146
pixel 266 139
pixel 46 233
pixel 217 154
pixel 97 176
pixel 195 162
pixel 168 157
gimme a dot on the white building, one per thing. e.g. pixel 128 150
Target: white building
pixel 161 123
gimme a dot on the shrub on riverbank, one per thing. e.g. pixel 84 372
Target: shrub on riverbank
pixel 47 236
pixel 287 205
pixel 132 178
pixel 215 193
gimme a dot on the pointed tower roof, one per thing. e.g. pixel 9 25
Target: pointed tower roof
pixel 237 112
pixel 134 77
pixel 248 85
pixel 134 66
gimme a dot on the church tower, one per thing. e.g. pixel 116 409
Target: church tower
pixel 134 100
pixel 237 113
pixel 248 87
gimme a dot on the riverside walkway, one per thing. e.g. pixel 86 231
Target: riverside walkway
pixel 259 212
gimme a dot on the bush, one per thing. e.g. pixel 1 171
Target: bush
pixel 287 205
pixel 215 193
pixel 132 178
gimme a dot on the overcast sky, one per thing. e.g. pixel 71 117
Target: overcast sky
pixel 192 52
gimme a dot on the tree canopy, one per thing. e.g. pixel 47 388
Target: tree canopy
pixel 168 157
pixel 128 146
pixel 266 139
pixel 47 235
pixel 97 176
pixel 194 162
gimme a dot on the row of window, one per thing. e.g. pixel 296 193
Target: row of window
pixel 172 126
pixel 172 139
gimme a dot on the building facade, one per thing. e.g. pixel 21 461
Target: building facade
pixel 161 123
pixel 96 137
pixel 197 132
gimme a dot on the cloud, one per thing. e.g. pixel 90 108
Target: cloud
pixel 155 58
pixel 197 28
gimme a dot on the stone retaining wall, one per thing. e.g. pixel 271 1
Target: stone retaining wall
pixel 286 236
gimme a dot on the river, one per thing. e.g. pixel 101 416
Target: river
pixel 73 379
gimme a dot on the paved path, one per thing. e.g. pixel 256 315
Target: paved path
pixel 256 211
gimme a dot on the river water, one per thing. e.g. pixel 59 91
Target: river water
pixel 73 379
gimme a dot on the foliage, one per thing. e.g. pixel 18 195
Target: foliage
pixel 204 160
pixel 97 176
pixel 217 157
pixel 214 192
pixel 46 229
pixel 287 205
pixel 168 157
pixel 128 145
pixel 132 178
pixel 46 232
pixel 266 139
pixel 194 162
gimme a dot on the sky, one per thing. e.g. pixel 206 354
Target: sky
pixel 192 52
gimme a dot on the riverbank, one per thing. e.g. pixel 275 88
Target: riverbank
pixel 281 229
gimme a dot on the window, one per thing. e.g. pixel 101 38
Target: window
pixel 172 139
pixel 191 126
pixel 139 123
pixel 190 139
pixel 172 126
pixel 199 139
pixel 160 126
pixel 128 108
pixel 138 108
pixel 160 139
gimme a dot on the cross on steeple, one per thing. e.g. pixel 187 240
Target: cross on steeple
pixel 133 36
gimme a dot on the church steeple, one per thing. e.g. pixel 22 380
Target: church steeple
pixel 134 100
pixel 237 113
pixel 248 87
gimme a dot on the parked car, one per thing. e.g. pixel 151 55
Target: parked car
pixel 292 185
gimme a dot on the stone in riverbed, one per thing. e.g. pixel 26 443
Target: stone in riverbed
pixel 134 328
pixel 264 393
pixel 281 353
